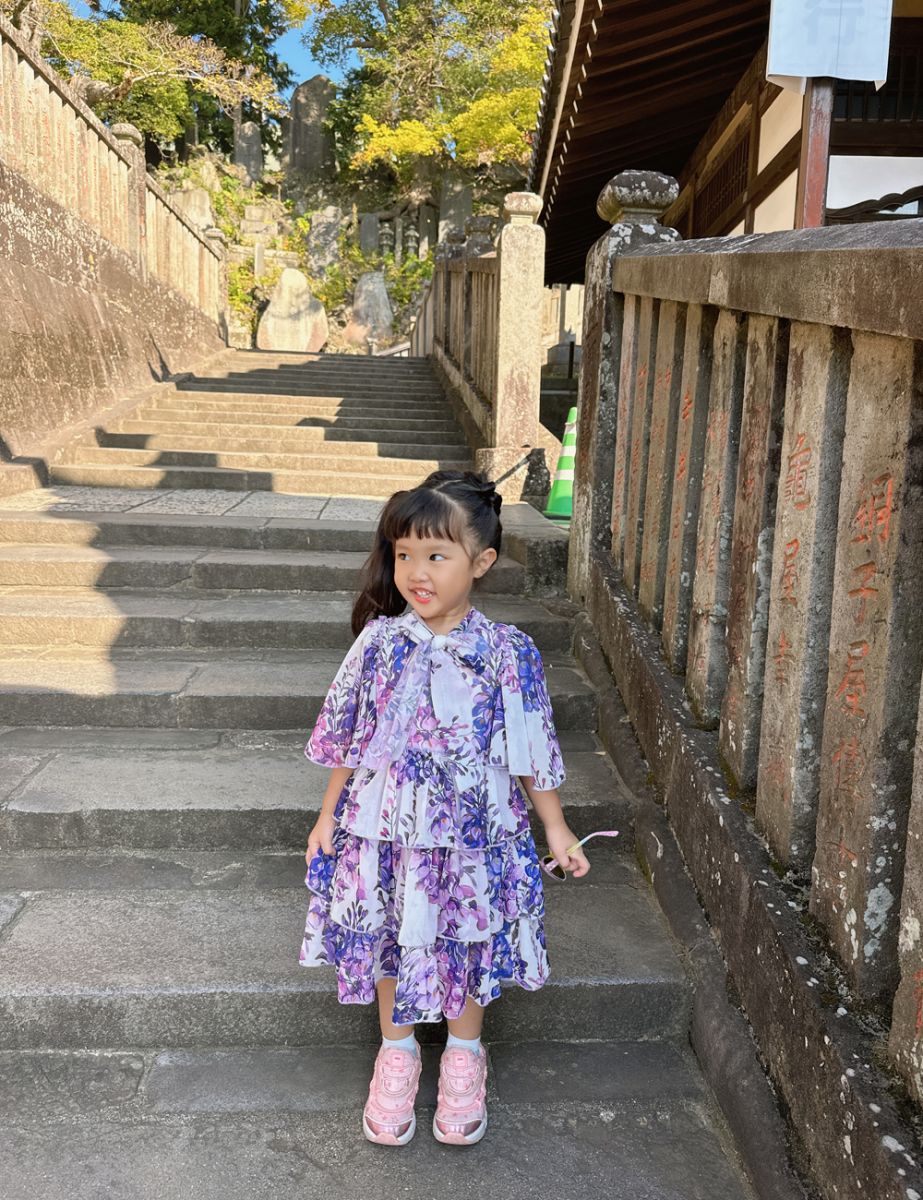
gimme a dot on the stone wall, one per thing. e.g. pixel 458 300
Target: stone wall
pixel 104 285
pixel 749 545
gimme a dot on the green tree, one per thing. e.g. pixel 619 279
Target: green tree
pixel 145 73
pixel 438 83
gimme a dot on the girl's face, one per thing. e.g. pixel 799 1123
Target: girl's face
pixel 435 577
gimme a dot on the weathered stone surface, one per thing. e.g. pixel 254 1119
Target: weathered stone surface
pixel 623 425
pixel 295 318
pixel 687 479
pixel 876 656
pixel 794 687
pixel 596 411
pixel 324 239
pixel 195 203
pixel 752 547
pixel 309 149
pixel 454 206
pixel 248 150
pixel 706 672
pixel 643 385
pixel 671 332
pixel 638 196
pixel 823 1059
pixel 372 316
pixel 87 324
pixel 905 1043
pixel 429 229
pixel 368 233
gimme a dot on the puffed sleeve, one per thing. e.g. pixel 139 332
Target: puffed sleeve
pixel 346 721
pixel 523 735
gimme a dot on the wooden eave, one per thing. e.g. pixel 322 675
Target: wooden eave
pixel 633 84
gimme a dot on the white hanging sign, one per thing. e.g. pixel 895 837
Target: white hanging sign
pixel 847 39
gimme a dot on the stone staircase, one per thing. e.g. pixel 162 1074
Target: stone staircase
pixel 316 425
pixel 168 631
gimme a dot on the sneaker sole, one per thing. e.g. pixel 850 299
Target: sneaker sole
pixel 460 1139
pixel 390 1139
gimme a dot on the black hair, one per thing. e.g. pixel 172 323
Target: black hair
pixel 462 506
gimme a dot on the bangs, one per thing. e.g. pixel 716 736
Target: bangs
pixel 424 513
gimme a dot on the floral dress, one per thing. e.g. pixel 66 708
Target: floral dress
pixel 434 879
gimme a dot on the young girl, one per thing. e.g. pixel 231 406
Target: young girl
pixel 425 882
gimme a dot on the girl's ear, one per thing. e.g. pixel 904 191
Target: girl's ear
pixel 485 560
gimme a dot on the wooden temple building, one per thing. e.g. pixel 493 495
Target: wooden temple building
pixel 680 86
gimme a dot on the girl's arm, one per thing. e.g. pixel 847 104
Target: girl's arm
pixel 321 836
pixel 548 806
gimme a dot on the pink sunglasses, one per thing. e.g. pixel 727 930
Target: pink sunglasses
pixel 552 867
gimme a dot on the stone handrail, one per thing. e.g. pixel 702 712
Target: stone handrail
pixel 53 140
pixel 486 345
pixel 748 526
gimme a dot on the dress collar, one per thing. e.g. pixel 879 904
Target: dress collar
pixel 420 631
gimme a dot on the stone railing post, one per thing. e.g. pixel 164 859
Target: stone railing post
pixel 518 366
pixel 131 142
pixel 219 305
pixel 632 203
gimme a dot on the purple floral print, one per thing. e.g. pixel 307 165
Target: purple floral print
pixel 434 880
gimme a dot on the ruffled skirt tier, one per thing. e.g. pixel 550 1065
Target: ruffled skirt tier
pixel 404 897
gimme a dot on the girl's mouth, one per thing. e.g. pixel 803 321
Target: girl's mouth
pixel 422 597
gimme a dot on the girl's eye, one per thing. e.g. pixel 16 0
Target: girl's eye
pixel 437 555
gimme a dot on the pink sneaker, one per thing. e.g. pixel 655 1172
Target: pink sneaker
pixel 388 1118
pixel 461 1114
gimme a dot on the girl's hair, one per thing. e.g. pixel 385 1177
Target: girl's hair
pixel 462 506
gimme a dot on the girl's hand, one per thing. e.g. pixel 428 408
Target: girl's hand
pixel 559 838
pixel 321 836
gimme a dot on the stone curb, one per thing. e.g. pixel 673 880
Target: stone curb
pixel 720 1034
pixel 861 1146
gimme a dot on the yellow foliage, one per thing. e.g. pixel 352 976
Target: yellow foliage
pixel 399 143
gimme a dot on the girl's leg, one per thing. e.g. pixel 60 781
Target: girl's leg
pixel 468 1026
pixel 390 1031
pixel 461 1114
pixel 389 1117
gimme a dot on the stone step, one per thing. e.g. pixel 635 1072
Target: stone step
pixel 407 426
pixel 628 1122
pixel 176 569
pixel 114 456
pixel 161 529
pixel 310 405
pixel 97 619
pixel 99 790
pixel 358 366
pixel 270 384
pixel 285 442
pixel 330 364
pixel 188 961
pixel 303 483
pixel 303 438
pixel 209 689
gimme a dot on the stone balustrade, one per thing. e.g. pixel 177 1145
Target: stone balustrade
pixel 52 140
pixel 748 540
pixel 487 300
pixel 107 287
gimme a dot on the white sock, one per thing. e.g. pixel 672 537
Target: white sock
pixel 405 1043
pixel 463 1043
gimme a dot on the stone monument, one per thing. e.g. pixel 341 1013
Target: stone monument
pixel 248 150
pixel 324 238
pixel 295 318
pixel 454 206
pixel 372 316
pixel 309 147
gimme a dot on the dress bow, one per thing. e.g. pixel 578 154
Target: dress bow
pixel 439 659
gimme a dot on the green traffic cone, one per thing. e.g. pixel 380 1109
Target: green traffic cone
pixel 560 505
